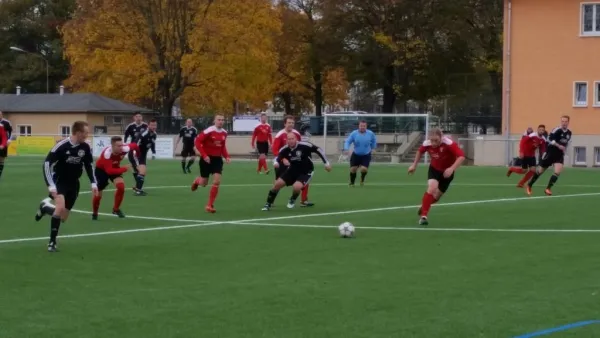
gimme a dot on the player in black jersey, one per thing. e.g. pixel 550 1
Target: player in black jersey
pixel 296 156
pixel 187 134
pixel 146 142
pixel 135 129
pixel 558 140
pixel 4 151
pixel 62 169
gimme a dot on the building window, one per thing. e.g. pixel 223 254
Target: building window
pixel 64 130
pixel 590 19
pixel 597 156
pixel 580 94
pixel 24 129
pixel 579 158
pixel 597 94
pixel 117 120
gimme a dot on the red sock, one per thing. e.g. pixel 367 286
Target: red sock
pixel 305 193
pixel 260 164
pixel 517 170
pixel 526 177
pixel 214 191
pixel 119 194
pixel 428 200
pixel 265 165
pixel 96 204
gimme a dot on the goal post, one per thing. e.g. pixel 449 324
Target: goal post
pixel 398 135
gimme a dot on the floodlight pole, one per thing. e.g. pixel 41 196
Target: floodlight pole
pixel 20 50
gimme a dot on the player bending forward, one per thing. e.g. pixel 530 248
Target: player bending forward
pixel 278 143
pixel 446 157
pixel 263 137
pixel 296 157
pixel 108 169
pixel 187 135
pixel 558 140
pixel 364 142
pixel 62 169
pixel 146 143
pixel 530 143
pixel 211 147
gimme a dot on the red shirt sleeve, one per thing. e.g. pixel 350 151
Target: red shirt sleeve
pixel 3 137
pixel 254 135
pixel 455 149
pixel 270 135
pixel 111 170
pixel 542 145
pixel 224 150
pixel 199 143
pixel 523 144
pixel 276 146
pixel 422 149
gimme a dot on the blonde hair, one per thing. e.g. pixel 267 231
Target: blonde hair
pixel 435 132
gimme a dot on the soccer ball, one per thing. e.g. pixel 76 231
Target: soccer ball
pixel 346 230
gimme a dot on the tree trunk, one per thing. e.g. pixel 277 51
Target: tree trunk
pixel 389 95
pixel 318 78
pixel 287 103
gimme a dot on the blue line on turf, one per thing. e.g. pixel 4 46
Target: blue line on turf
pixel 559 329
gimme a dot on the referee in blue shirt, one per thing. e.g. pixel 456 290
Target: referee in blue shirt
pixel 364 142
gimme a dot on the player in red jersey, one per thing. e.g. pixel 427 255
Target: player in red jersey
pixel 108 168
pixel 263 137
pixel 279 142
pixel 530 143
pixel 210 145
pixel 446 157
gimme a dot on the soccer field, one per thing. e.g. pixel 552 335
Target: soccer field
pixel 492 263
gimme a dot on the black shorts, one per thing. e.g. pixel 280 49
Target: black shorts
pixel 551 157
pixel 528 162
pixel 443 183
pixel 280 171
pixel 214 167
pixel 70 191
pixel 262 147
pixel 188 150
pixel 136 161
pixel 290 177
pixel 102 178
pixel 360 160
pixel 4 152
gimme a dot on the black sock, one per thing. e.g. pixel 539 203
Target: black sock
pixel 54 227
pixel 1 168
pixel 190 163
pixel 139 184
pixel 135 176
pixel 294 196
pixel 183 164
pixel 533 179
pixel 272 196
pixel 352 178
pixel 552 181
pixel 362 176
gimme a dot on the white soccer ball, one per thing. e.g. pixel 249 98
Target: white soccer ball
pixel 346 230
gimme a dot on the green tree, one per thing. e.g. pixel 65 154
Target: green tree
pixel 34 26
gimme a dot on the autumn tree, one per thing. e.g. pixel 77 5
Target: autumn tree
pixel 308 50
pixel 207 52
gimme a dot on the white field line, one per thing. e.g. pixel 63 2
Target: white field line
pixel 179 220
pixel 422 228
pixel 257 220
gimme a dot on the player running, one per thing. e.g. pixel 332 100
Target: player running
pixel 558 140
pixel 296 157
pixel 279 142
pixel 146 143
pixel 62 169
pixel 135 129
pixel 530 143
pixel 187 134
pixel 364 142
pixel 108 169
pixel 4 140
pixel 263 137
pixel 211 146
pixel 446 157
